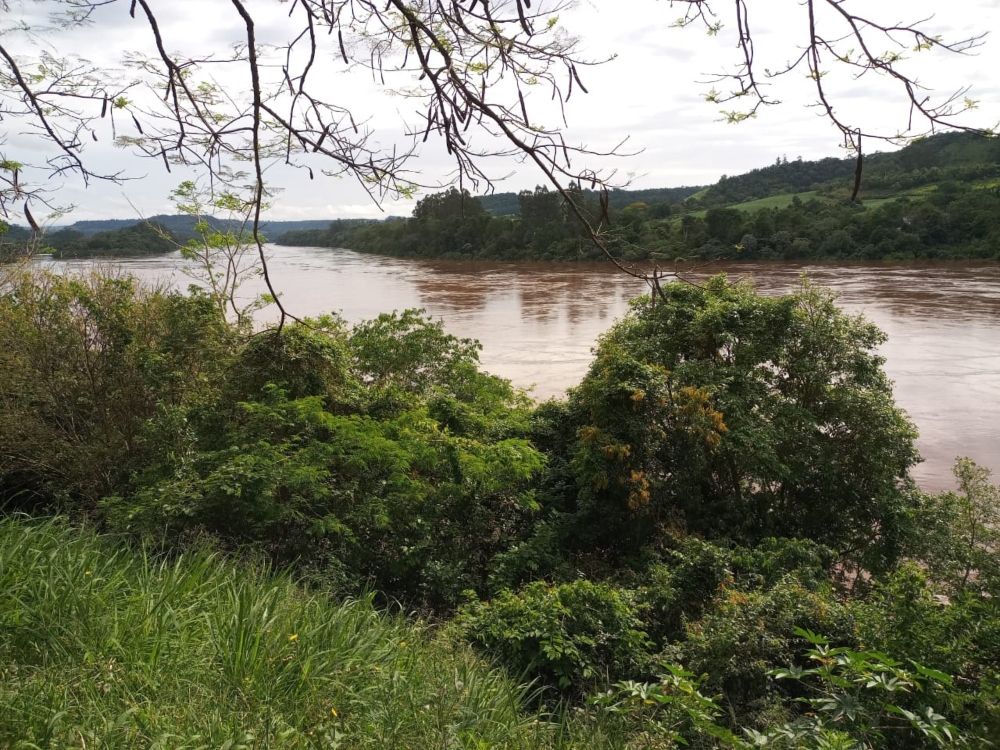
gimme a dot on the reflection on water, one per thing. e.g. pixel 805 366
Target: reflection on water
pixel 538 321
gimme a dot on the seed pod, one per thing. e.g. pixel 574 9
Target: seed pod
pixel 343 50
pixel 31 219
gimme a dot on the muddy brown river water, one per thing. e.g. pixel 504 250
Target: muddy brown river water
pixel 537 323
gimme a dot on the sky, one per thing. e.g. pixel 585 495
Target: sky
pixel 651 91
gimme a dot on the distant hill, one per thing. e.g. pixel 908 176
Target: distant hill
pixel 955 156
pixel 182 227
pixel 140 238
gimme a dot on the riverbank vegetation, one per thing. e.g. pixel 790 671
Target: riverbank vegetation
pixel 115 238
pixel 713 539
pixel 936 198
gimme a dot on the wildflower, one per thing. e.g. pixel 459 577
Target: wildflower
pixel 293 637
pixel 403 644
pixel 86 572
pixel 333 712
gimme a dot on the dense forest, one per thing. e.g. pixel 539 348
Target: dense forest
pixel 937 198
pixel 713 540
pixel 509 204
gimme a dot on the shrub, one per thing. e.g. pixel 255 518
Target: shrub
pixel 86 363
pixel 570 636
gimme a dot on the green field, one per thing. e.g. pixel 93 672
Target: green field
pixel 776 201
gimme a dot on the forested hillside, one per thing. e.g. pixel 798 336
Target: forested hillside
pixel 937 198
pixel 182 226
pixel 508 204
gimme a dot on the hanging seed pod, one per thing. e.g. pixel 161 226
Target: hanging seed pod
pixel 31 219
pixel 343 50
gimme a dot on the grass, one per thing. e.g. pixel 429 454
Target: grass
pixel 104 646
pixel 775 201
pixel 871 203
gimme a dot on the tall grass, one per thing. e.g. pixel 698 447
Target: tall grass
pixel 103 646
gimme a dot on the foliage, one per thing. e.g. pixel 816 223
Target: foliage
pixel 744 633
pixel 400 504
pixel 410 489
pixel 570 636
pixel 141 238
pixel 222 256
pixel 960 635
pixel 182 226
pixel 380 456
pixel 403 359
pixel 669 713
pixel 450 204
pixel 508 204
pixel 87 362
pixel 729 414
pixel 726 463
pixel 853 702
pixel 196 650
pixel 960 544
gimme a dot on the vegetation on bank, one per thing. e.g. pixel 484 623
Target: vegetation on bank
pixel 936 198
pixel 712 539
pixel 129 238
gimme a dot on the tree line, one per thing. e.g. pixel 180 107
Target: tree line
pixel 954 220
pixel 936 198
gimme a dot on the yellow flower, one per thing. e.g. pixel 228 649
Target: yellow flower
pixel 403 644
pixel 86 573
pixel 333 711
pixel 293 637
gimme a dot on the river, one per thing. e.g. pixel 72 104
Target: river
pixel 537 322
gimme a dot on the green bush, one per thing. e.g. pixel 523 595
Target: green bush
pixel 715 410
pixel 570 636
pixel 374 457
pixel 86 363
pixel 745 634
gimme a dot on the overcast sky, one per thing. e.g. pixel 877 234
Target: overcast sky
pixel 652 92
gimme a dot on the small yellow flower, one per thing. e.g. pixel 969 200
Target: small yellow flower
pixel 87 573
pixel 333 712
pixel 403 644
pixel 293 637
